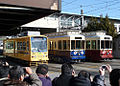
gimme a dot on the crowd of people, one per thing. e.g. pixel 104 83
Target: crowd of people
pixel 24 76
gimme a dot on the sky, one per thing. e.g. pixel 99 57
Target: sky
pixel 92 7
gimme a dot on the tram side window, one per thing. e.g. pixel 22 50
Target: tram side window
pixel 51 45
pixel 18 45
pixel 10 47
pixel 27 45
pixel 93 42
pixel 68 45
pixel 55 45
pixel 98 44
pixel 64 44
pixel 72 44
pixel 102 44
pixel 59 44
pixel 24 45
pixel 88 44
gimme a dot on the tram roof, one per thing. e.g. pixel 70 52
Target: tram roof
pixel 105 37
pixel 79 35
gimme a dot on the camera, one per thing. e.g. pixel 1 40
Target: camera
pixel 104 67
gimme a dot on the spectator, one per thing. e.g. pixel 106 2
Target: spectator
pixel 42 72
pixel 99 80
pixel 67 72
pixel 114 76
pixel 16 76
pixel 83 79
pixel 4 70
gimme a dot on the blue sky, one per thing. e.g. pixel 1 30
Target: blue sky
pixel 93 7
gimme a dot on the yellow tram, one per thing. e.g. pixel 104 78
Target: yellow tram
pixel 28 49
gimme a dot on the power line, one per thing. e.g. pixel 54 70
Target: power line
pixel 70 3
pixel 97 9
pixel 84 6
pixel 111 1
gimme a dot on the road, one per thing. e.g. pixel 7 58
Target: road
pixel 92 67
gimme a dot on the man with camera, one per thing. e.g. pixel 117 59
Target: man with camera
pixel 16 77
pixel 99 80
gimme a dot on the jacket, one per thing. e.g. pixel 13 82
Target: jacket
pixel 33 77
pixel 46 81
pixel 80 81
pixel 62 80
pixel 98 80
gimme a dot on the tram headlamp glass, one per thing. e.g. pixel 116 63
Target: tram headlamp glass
pixel 82 52
pixel 103 52
pixel 110 52
pixel 75 53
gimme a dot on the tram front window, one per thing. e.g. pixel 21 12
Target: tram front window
pixel 39 44
pixel 106 44
pixel 77 44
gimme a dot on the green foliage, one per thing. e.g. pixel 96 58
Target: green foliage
pixel 101 24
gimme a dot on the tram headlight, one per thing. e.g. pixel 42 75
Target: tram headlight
pixel 82 52
pixel 110 52
pixel 75 53
pixel 103 52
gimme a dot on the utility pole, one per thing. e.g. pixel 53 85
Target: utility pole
pixel 82 20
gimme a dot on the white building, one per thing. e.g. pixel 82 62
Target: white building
pixel 63 21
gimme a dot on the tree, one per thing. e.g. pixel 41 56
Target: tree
pixel 92 25
pixel 101 24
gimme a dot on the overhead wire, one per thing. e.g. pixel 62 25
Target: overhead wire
pixel 84 6
pixel 73 1
pixel 97 9
pixel 110 3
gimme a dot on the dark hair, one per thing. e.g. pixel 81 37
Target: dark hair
pixel 4 71
pixel 15 83
pixel 67 68
pixel 15 72
pixel 114 77
pixel 42 69
pixel 84 73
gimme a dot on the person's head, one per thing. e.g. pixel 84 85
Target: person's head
pixel 84 74
pixel 115 77
pixel 67 68
pixel 16 73
pixel 42 69
pixel 4 71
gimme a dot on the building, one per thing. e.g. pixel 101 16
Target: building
pixel 63 21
